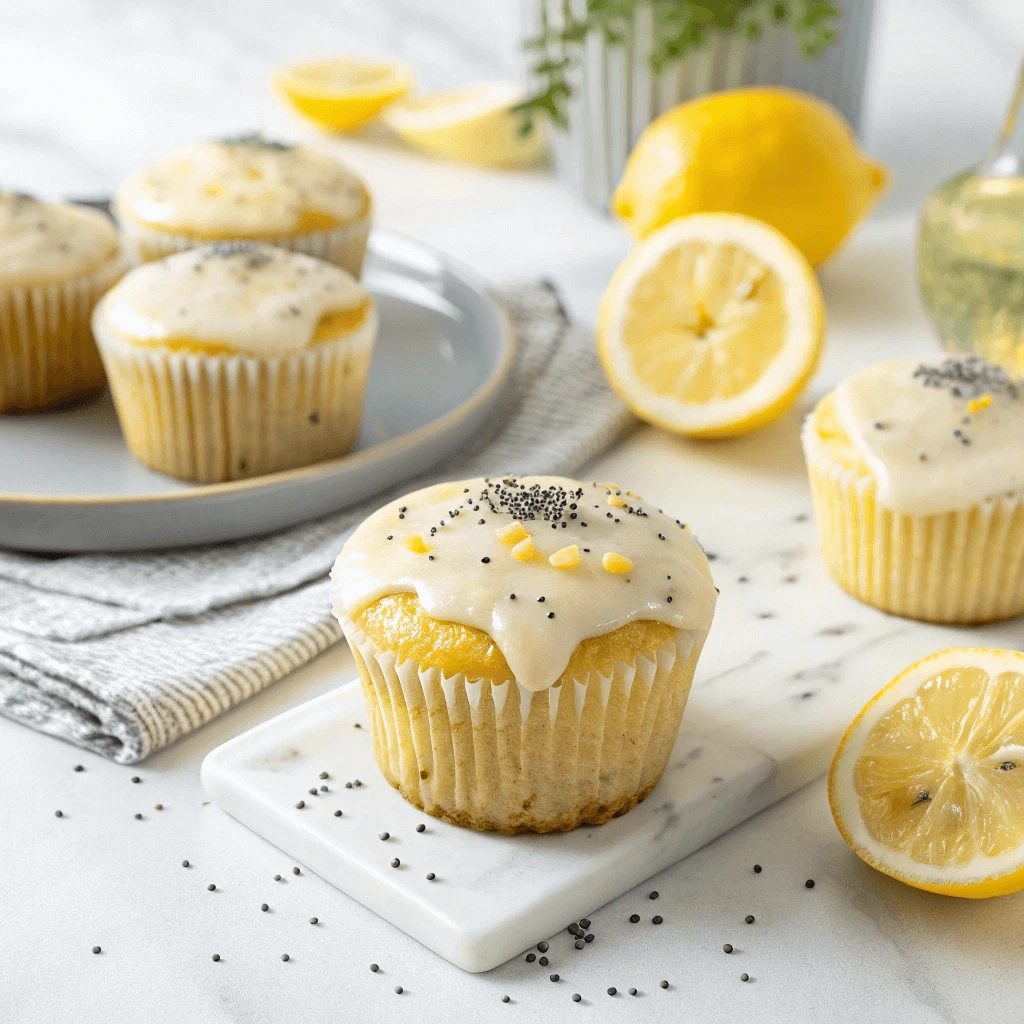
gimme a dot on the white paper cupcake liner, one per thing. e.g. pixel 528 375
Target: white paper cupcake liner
pixel 47 352
pixel 212 418
pixel 962 566
pixel 508 759
pixel 345 246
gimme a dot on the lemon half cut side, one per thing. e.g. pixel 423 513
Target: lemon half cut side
pixel 927 785
pixel 712 326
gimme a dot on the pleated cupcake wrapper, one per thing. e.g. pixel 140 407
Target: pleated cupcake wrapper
pixel 505 758
pixel 344 246
pixel 211 418
pixel 956 567
pixel 47 352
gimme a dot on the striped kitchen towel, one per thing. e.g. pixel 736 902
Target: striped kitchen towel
pixel 123 654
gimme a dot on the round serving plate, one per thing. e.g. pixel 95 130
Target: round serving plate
pixel 68 482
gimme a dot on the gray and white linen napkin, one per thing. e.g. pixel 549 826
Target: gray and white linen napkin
pixel 123 654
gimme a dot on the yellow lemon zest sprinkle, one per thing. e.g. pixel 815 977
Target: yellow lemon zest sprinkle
pixel 415 543
pixel 513 533
pixel 977 404
pixel 524 550
pixel 566 558
pixel 614 562
pixel 617 500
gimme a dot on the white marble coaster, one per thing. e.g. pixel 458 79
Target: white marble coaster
pixel 492 896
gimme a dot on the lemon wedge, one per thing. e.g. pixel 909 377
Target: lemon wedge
pixel 782 156
pixel 342 93
pixel 928 782
pixel 473 126
pixel 711 326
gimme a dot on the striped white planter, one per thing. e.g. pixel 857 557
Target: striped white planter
pixel 615 96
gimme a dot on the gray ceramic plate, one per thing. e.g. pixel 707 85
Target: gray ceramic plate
pixel 68 483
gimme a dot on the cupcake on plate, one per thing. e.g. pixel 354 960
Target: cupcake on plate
pixel 526 647
pixel 917 473
pixel 56 260
pixel 236 359
pixel 246 189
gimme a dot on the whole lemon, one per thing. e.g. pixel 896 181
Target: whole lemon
pixel 782 156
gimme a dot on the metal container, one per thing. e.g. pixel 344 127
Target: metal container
pixel 615 95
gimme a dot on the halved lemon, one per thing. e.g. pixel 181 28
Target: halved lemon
pixel 928 782
pixel 712 325
pixel 342 93
pixel 472 126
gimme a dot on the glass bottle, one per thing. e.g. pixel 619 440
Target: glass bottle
pixel 971 251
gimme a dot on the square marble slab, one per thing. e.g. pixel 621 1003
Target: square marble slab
pixel 492 896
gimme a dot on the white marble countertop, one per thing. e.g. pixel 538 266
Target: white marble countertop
pixel 88 90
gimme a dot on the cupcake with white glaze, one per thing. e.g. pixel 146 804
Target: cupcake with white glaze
pixel 246 189
pixel 917 473
pixel 526 647
pixel 236 360
pixel 56 260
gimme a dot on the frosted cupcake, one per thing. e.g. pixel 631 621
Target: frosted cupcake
pixel 246 188
pixel 917 472
pixel 56 260
pixel 236 360
pixel 526 647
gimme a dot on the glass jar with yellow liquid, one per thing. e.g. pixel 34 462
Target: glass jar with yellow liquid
pixel 971 251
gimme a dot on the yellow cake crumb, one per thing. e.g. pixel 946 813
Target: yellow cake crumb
pixel 415 543
pixel 614 562
pixel 513 533
pixel 566 558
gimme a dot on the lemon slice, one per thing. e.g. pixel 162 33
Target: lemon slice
pixel 711 326
pixel 473 126
pixel 928 783
pixel 342 93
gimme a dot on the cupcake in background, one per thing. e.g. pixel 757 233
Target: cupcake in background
pixel 56 260
pixel 526 647
pixel 236 359
pixel 246 189
pixel 917 473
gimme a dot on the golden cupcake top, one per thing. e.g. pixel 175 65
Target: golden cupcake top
pixel 236 297
pixel 245 187
pixel 47 242
pixel 936 436
pixel 540 564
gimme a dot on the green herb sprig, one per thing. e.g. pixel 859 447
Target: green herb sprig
pixel 680 27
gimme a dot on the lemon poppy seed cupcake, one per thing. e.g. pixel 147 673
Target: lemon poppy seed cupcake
pixel 246 188
pixel 917 473
pixel 236 359
pixel 56 260
pixel 526 647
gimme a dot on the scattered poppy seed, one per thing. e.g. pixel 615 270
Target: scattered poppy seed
pixel 749 919
pixel 300 804
pixel 633 918
pixel 97 949
pixel 184 863
pixel 664 984
pixel 135 778
pixel 552 977
pixel 323 789
pixel 576 997
pixel 744 976
pixel 543 961
pixel 277 878
pixel 396 863
pixel 584 922
pixel 382 836
pixel 530 957
pixel 551 615
pixel 431 876
pixel 79 767
pixel 348 785
pixel 285 957
pixel 324 775
pixel 421 827
pixel 374 968
pixel 337 814
pixel 612 990
pixel 579 944
pixel 264 907
pixel 158 807
pixel 314 920
pixel 809 884
pixel 504 999
pixel 215 957
pixel 295 871
pixel 485 560
pixel 632 991
pixel 588 937
pixel 138 817
pixel 312 790
pixel 542 947
pixel 653 895
pixel 727 948
pixel 657 919
pixel 757 869
pixel 399 990
pixel 356 783
pixel 211 887
pixel 58 814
